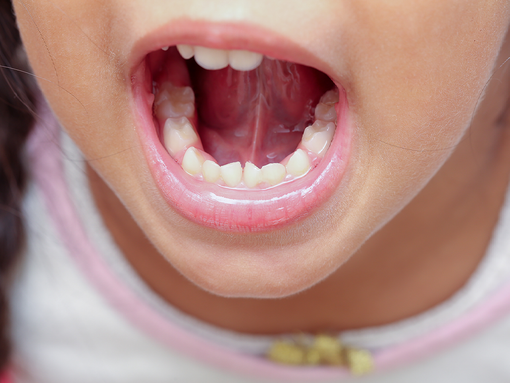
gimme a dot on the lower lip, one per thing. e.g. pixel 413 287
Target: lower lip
pixel 233 210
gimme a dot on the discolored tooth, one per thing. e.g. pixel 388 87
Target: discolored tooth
pixel 325 112
pixel 252 175
pixel 169 109
pixel 186 51
pixel 331 97
pixel 178 134
pixel 211 59
pixel 167 91
pixel 211 171
pixel 173 101
pixel 232 173
pixel 324 126
pixel 244 60
pixel 299 163
pixel 192 161
pixel 273 174
pixel 318 137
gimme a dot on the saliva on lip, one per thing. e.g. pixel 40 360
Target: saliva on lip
pixel 174 108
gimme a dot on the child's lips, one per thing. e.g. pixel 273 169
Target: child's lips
pixel 218 207
pixel 228 36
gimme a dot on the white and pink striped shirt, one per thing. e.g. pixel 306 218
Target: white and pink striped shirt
pixel 80 314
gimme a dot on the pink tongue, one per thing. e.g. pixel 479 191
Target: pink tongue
pixel 256 116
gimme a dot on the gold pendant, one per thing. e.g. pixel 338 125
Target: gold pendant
pixel 322 350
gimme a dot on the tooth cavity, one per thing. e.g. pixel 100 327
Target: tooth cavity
pixel 318 136
pixel 273 174
pixel 211 171
pixel 211 59
pixel 232 173
pixel 299 163
pixel 178 135
pixel 192 161
pixel 186 51
pixel 173 101
pixel 244 60
pixel 252 175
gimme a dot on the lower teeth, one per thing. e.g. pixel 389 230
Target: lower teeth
pixel 174 107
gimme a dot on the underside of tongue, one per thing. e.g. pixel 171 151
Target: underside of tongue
pixel 259 115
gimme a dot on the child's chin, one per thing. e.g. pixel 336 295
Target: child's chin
pixel 275 274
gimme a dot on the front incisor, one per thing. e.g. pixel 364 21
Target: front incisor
pixel 252 175
pixel 232 173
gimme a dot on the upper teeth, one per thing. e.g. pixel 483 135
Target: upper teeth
pixel 212 59
pixel 244 60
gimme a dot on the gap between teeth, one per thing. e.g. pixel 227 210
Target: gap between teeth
pixel 174 107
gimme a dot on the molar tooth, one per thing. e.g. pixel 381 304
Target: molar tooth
pixel 211 59
pixel 252 175
pixel 298 164
pixel 273 173
pixel 244 60
pixel 325 112
pixel 186 51
pixel 326 126
pixel 331 97
pixel 169 91
pixel 192 161
pixel 173 101
pixel 211 171
pixel 232 173
pixel 168 109
pixel 178 134
pixel 317 137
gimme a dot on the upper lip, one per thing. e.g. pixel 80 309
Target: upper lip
pixel 228 36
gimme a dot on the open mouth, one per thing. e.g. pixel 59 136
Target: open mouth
pixel 239 141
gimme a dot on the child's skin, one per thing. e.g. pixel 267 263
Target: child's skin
pixel 414 72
